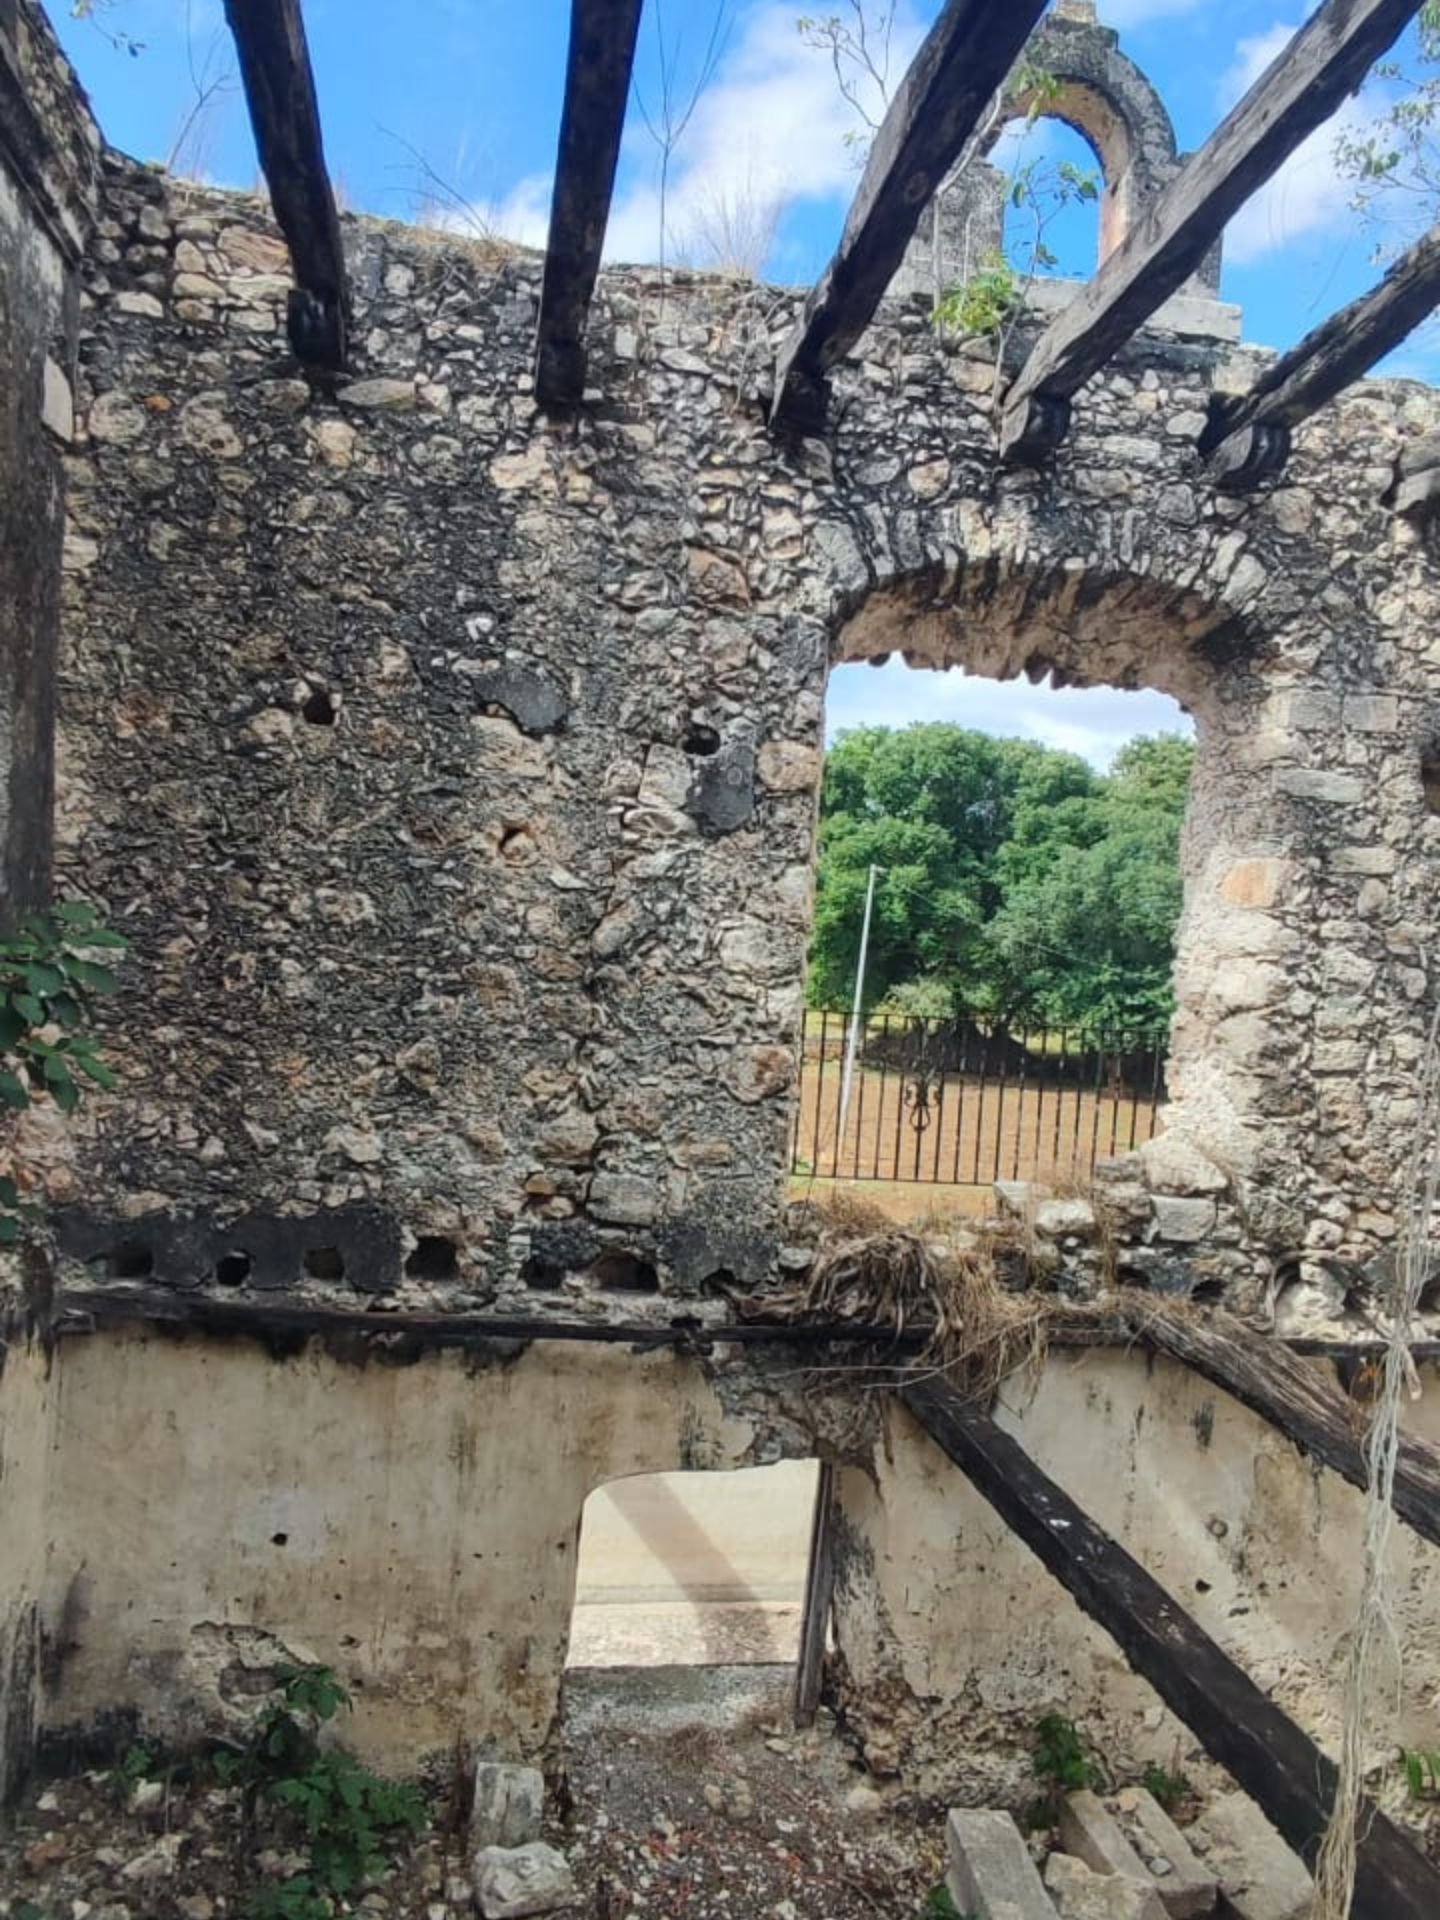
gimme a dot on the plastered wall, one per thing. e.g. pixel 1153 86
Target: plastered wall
pixel 950 1627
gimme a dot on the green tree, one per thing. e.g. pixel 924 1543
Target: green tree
pixel 1394 158
pixel 1015 882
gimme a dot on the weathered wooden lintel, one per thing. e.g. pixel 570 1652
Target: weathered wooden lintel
pixel 1248 438
pixel 597 86
pixel 1275 1762
pixel 937 106
pixel 1327 59
pixel 280 93
pixel 1267 1376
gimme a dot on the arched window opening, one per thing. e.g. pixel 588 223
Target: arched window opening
pixel 1016 849
pixel 694 1569
pixel 1053 195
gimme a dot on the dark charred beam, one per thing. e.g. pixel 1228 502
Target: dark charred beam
pixel 1307 1408
pixel 1248 439
pixel 597 85
pixel 936 108
pixel 1276 1763
pixel 819 1597
pixel 83 1309
pixel 1327 59
pixel 280 92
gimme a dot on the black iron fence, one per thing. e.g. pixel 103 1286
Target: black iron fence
pixel 964 1103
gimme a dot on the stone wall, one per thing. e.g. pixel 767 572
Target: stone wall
pixel 49 189
pixel 454 777
pixel 455 774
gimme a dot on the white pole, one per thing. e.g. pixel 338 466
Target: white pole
pixel 848 1080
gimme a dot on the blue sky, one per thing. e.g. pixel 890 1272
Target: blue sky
pixel 467 93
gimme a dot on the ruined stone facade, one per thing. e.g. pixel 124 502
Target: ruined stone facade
pixel 453 774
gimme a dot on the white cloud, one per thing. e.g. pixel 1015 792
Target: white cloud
pixel 770 128
pixel 1094 722
pixel 1306 195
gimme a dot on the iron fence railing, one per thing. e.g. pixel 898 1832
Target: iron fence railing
pixel 965 1103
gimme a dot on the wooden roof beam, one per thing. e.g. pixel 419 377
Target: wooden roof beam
pixel 1248 439
pixel 1327 59
pixel 1300 1401
pixel 1276 1762
pixel 937 106
pixel 597 87
pixel 280 93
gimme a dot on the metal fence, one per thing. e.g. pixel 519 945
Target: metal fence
pixel 963 1103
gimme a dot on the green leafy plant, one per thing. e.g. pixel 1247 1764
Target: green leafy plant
pixel 980 306
pixel 49 982
pixel 940 1906
pixel 1061 1759
pixel 1422 1773
pixel 348 1816
pixel 1168 1788
pixel 137 1763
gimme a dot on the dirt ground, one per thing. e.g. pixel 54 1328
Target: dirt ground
pixel 974 1132
pixel 681 1795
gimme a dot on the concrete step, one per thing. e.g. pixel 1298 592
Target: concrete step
pixel 992 1876
pixel 1186 1887
pixel 1259 1877
pixel 1080 1893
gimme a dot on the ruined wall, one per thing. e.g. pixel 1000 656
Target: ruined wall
pixel 26 1435
pixel 454 775
pixel 48 193
pixel 413 1525
pixel 951 1631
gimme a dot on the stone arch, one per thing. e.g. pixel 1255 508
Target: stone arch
pixel 1004 612
pixel 1098 91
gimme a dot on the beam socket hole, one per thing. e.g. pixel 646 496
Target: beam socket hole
pixel 232 1269
pixel 623 1273
pixel 433 1257
pixel 325 1263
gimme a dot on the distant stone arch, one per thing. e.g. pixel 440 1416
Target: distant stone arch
pixel 1098 91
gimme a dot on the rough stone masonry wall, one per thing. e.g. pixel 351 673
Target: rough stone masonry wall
pixel 454 774
pixel 49 187
pixel 454 777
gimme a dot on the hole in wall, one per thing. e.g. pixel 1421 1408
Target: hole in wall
pixel 232 1269
pixel 701 740
pixel 279 1539
pixel 319 709
pixel 325 1263
pixel 721 1283
pixel 623 1273
pixel 694 1569
pixel 545 1276
pixel 132 1260
pixel 1430 780
pixel 1047 814
pixel 1052 220
pixel 433 1257
pixel 1208 1293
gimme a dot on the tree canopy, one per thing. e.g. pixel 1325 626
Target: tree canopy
pixel 1015 882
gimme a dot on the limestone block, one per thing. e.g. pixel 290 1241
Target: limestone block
pixel 508 1805
pixel 1258 1874
pixel 1316 783
pixel 57 403
pixel 1173 1165
pixel 1186 1889
pixel 1082 1894
pixel 992 1876
pixel 1091 1832
pixel 1182 1220
pixel 1257 883
pixel 1059 1218
pixel 511 1882
pixel 390 396
pixel 624 1198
